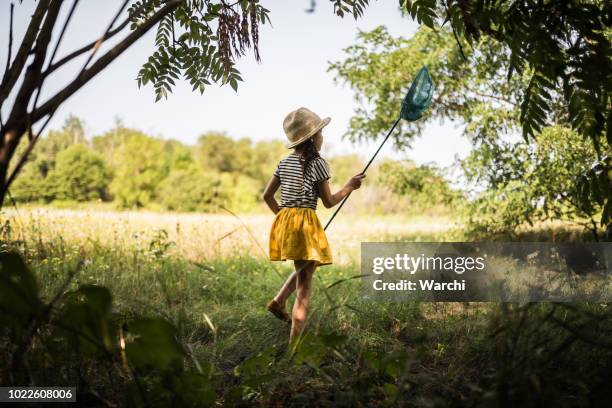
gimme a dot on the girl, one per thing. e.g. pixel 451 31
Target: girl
pixel 296 232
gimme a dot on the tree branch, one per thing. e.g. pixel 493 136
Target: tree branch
pixel 31 79
pixel 498 98
pixel 12 74
pixel 100 40
pixel 94 45
pixel 448 18
pixel 10 44
pixel 19 120
pixel 103 61
pixel 57 44
pixel 85 48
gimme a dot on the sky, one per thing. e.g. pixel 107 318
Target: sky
pixel 295 49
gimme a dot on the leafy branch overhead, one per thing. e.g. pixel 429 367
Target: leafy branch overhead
pixel 355 8
pixel 564 46
pixel 188 45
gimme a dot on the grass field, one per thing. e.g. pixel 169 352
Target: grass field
pixel 208 274
pixel 201 237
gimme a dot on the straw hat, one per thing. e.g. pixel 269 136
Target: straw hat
pixel 302 124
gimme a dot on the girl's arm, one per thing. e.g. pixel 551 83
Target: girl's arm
pixel 329 200
pixel 268 194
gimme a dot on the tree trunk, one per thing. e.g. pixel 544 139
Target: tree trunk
pixel 10 139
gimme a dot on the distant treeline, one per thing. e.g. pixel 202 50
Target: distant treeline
pixel 134 170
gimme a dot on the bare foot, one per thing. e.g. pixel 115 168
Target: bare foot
pixel 278 311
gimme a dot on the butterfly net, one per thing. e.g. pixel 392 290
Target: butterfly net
pixel 419 96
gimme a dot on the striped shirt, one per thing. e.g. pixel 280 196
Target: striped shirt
pixel 299 190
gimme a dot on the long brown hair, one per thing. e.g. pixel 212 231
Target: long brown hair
pixel 307 152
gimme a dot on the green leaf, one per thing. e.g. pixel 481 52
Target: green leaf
pixel 535 105
pixel 423 10
pixel 19 299
pixel 84 321
pixel 391 390
pixel 152 344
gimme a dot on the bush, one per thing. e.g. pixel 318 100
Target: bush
pixel 525 184
pixel 243 192
pixel 30 186
pixel 140 169
pixel 423 186
pixel 191 189
pixel 80 175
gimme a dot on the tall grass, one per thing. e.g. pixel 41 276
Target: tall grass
pixel 209 275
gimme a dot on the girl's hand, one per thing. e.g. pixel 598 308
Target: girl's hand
pixel 355 182
pixel 329 199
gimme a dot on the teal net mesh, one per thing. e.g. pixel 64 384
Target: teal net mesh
pixel 419 96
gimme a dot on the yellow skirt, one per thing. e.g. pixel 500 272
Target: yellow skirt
pixel 297 234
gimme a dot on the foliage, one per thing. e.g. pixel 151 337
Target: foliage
pixel 593 188
pixel 564 49
pixel 355 8
pixel 133 169
pixel 379 69
pixel 20 295
pixel 139 172
pixel 526 183
pixel 536 346
pixel 473 88
pixel 31 186
pixel 191 189
pixel 71 133
pixel 107 143
pixel 346 166
pixel 63 168
pixel 171 331
pixel 80 174
pixel 178 155
pixel 423 186
pixel 83 327
pixel 222 153
pixel 219 151
pixel 243 193
pixel 264 158
pixel 188 46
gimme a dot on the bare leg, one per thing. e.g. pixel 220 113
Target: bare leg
pixel 286 290
pixel 300 307
pixel 290 284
